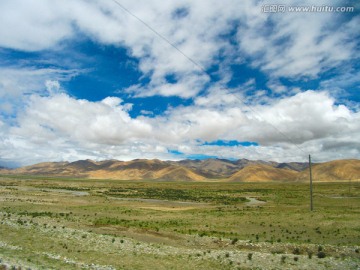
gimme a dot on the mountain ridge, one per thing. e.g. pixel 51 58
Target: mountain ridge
pixel 242 170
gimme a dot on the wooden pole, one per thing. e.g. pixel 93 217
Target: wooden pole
pixel 311 187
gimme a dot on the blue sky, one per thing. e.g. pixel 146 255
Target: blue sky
pixel 85 79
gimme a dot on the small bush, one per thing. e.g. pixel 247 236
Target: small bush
pixel 283 258
pixel 310 254
pixel 321 254
pixel 250 256
pixel 202 234
pixel 233 242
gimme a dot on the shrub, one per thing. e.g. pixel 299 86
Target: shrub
pixel 250 256
pixel 233 242
pixel 321 254
pixel 202 234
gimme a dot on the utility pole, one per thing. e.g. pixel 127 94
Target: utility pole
pixel 311 188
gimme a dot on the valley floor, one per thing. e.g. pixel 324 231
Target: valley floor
pixel 98 224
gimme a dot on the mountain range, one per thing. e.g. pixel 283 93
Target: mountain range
pixel 241 170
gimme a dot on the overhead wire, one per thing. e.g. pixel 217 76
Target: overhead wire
pixel 162 37
pixel 201 68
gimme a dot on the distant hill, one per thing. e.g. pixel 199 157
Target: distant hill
pixel 49 168
pixel 296 166
pixel 241 170
pixel 262 173
pixel 177 173
pixel 334 171
pixel 143 170
pixel 210 168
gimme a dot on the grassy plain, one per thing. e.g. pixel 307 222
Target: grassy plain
pixel 53 223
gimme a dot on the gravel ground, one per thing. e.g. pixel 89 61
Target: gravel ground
pixel 241 255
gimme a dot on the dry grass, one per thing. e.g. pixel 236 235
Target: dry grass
pixel 71 224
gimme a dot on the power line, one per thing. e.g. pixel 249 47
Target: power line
pixel 162 37
pixel 199 66
pixel 273 126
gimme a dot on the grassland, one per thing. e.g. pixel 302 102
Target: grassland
pixel 52 223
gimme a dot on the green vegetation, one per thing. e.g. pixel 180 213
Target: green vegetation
pixel 165 193
pixel 70 224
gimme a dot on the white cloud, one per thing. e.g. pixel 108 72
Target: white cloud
pixel 32 26
pixel 105 122
pixel 298 44
pixel 287 44
pixel 188 86
pixel 54 126
pixel 18 83
pixel 287 124
pixel 52 86
pixel 344 86
pixel 60 127
pixel 41 26
pixel 306 116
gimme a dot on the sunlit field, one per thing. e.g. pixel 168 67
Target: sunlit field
pixel 52 223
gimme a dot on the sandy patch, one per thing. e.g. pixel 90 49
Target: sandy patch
pixel 163 208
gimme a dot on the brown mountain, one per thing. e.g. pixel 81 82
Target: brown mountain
pixel 51 168
pixel 195 170
pixel 145 170
pixel 262 173
pixel 210 168
pixel 177 173
pixel 334 171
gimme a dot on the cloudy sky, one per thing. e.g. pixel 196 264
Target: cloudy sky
pixel 177 79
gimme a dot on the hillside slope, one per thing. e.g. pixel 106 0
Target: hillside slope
pixel 334 171
pixel 262 173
